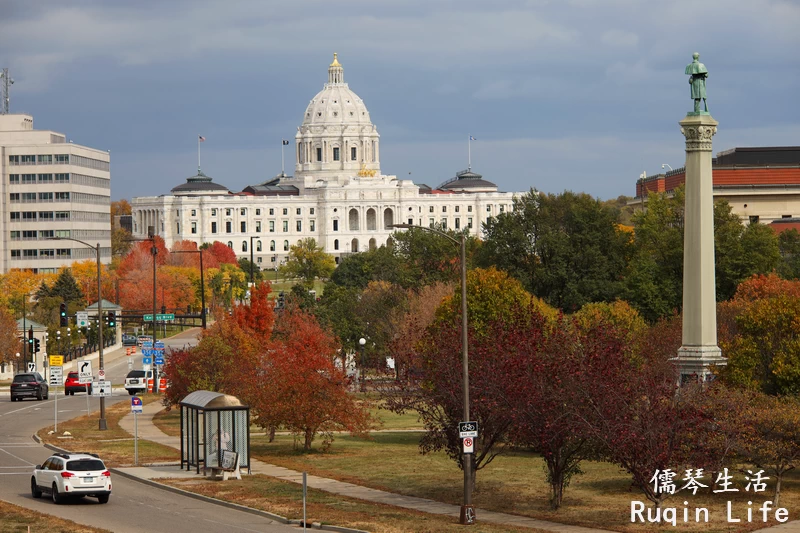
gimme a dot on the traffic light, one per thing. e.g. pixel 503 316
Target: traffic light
pixel 281 300
pixel 62 313
pixel 35 345
pixel 112 319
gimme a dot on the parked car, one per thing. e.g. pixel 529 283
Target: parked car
pixel 143 338
pixel 136 381
pixel 129 340
pixel 29 385
pixel 71 385
pixel 72 474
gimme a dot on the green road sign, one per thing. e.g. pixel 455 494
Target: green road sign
pixel 168 316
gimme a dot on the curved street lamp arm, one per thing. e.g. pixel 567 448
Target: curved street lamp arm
pixel 425 228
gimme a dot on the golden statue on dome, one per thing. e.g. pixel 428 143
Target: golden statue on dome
pixel 365 172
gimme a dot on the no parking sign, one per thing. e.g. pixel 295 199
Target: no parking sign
pixel 469 445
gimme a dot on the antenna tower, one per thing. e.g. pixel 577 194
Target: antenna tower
pixel 5 81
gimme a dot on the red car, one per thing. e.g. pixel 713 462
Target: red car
pixel 71 385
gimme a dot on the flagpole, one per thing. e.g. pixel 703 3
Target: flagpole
pixel 198 154
pixel 469 152
pixel 282 166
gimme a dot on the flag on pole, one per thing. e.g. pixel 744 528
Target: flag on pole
pixel 285 142
pixel 471 138
pixel 201 138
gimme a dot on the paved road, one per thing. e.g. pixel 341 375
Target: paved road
pixel 133 507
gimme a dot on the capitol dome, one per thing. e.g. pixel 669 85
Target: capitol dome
pixel 337 137
pixel 336 103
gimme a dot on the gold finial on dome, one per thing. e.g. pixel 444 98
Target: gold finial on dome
pixel 335 60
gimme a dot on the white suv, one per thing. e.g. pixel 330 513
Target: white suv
pixel 66 474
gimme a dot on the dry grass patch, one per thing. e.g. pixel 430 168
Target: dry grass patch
pixel 514 483
pixel 114 445
pixel 285 498
pixel 18 519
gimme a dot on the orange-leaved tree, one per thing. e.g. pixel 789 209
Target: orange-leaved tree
pixel 300 388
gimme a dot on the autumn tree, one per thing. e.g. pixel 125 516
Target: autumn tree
pixel 220 252
pixel 299 387
pixel 16 285
pixel 630 408
pixel 9 341
pixel 308 261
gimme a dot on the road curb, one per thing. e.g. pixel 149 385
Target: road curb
pixel 236 506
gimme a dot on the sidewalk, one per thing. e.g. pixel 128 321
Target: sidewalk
pixel 148 431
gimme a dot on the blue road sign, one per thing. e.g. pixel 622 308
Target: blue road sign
pixel 159 344
pixel 147 360
pixel 159 360
pixel 148 345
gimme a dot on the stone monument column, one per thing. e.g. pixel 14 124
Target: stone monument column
pixel 699 347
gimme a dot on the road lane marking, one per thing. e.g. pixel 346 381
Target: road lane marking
pixel 15 457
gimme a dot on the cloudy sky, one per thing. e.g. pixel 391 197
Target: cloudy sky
pixel 561 94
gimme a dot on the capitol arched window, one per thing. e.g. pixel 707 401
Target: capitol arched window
pixel 285 246
pixel 353 152
pixel 271 246
pixel 336 153
pixel 230 245
pixel 244 246
pixel 336 244
pixel 258 246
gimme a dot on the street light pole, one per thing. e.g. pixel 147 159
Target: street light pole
pixel 103 425
pixel 467 510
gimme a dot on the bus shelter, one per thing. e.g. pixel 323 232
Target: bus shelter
pixel 213 423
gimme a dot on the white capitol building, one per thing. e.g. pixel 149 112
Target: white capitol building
pixel 337 195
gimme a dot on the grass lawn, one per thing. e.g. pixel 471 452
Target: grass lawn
pixel 285 498
pixel 18 519
pixel 513 483
pixel 114 445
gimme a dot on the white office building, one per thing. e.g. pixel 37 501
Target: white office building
pixel 50 188
pixel 337 195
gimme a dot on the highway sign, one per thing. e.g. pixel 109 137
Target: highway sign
pixel 469 445
pixel 136 405
pixel 159 345
pixel 84 372
pixel 82 317
pixel 147 360
pixel 159 360
pixel 56 360
pixel 467 429
pixel 101 388
pixel 31 367
pixel 162 317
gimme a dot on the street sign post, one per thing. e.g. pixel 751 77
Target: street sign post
pixel 468 429
pixel 84 372
pixel 136 408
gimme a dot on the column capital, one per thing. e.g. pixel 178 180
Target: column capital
pixel 698 131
